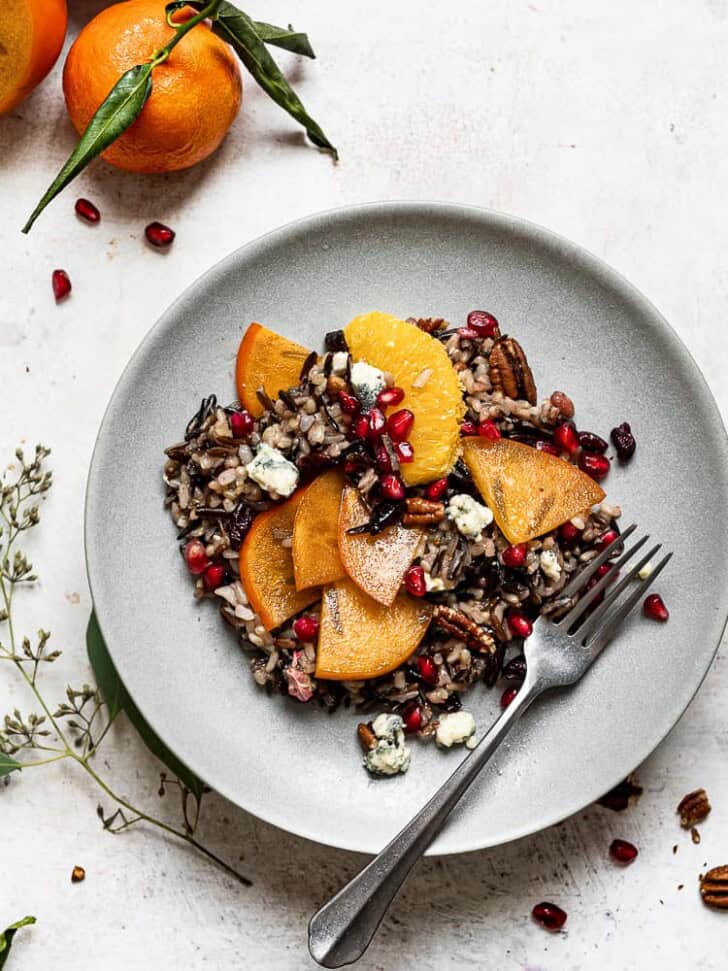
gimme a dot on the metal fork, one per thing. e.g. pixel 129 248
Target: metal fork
pixel 557 654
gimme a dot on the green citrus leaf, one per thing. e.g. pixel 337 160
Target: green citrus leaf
pixel 288 39
pixel 120 109
pixel 6 938
pixel 8 765
pixel 240 32
pixel 118 699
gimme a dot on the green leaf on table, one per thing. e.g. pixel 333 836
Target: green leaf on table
pixel 118 699
pixel 236 27
pixel 287 38
pixel 8 765
pixel 6 938
pixel 120 109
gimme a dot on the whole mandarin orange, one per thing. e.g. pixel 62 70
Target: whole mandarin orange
pixel 196 92
pixel 31 36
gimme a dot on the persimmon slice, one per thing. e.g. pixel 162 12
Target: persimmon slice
pixel 530 492
pixel 269 361
pixel 266 565
pixel 360 638
pixel 378 563
pixel 316 559
pixel 422 368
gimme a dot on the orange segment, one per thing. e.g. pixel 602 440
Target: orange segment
pixel 530 492
pixel 360 638
pixel 267 360
pixel 316 559
pixel 421 367
pixel 266 565
pixel 31 37
pixel 378 563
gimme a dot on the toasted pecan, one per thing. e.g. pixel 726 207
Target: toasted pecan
pixel 367 738
pixel 693 808
pixel 459 625
pixel 714 887
pixel 423 512
pixel 509 371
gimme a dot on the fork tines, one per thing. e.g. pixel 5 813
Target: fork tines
pixel 601 624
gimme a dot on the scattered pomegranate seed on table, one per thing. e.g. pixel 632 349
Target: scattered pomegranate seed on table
pixel 623 852
pixel 414 581
pixel 242 423
pixel 61 283
pixel 412 718
pixel 592 443
pixel 595 465
pixel 213 576
pixel 549 916
pixel 159 235
pixel 390 397
pixel 624 441
pixel 427 669
pixel 507 697
pixel 519 624
pixel 566 438
pixel 489 429
pixel 654 608
pixel 306 628
pixel 349 404
pixel 196 557
pixel 436 489
pixel 87 211
pixel 515 556
pixel 404 451
pixel 483 323
pixel 399 425
pixel 392 487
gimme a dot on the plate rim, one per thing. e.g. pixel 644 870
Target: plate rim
pixel 495 219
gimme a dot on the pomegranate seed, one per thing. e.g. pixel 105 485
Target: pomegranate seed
pixel 392 486
pixel 623 441
pixel 376 423
pixel 348 402
pixel 87 211
pixel 595 465
pixel 427 669
pixel 400 424
pixel 565 437
pixel 515 670
pixel 623 852
pixel 519 624
pixel 361 426
pixel 390 397
pixel 489 429
pixel 604 569
pixel 515 556
pixel 350 467
pixel 468 333
pixel 213 576
pixel 405 452
pixel 159 235
pixel 436 489
pixel 607 538
pixel 61 284
pixel 414 581
pixel 507 697
pixel 196 557
pixel 381 456
pixel 547 447
pixel 654 608
pixel 483 323
pixel 468 428
pixel 549 916
pixel 592 443
pixel 568 533
pixel 412 718
pixel 242 423
pixel 306 628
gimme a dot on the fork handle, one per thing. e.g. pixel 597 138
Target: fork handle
pixel 340 932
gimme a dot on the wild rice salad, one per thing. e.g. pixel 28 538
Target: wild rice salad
pixel 484 591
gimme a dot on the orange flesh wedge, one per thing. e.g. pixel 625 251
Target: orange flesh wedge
pixel 316 559
pixel 377 564
pixel 530 492
pixel 266 565
pixel 31 37
pixel 266 360
pixel 360 638
pixel 415 358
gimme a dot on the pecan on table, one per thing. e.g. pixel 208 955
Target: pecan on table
pixel 509 371
pixel 423 512
pixel 714 887
pixel 693 808
pixel 460 626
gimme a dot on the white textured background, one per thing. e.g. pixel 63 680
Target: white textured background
pixel 606 123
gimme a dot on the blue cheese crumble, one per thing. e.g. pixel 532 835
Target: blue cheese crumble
pixel 272 471
pixel 550 566
pixel 367 382
pixel 470 517
pixel 455 728
pixel 390 755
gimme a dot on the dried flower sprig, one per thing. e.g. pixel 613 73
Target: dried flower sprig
pixel 75 728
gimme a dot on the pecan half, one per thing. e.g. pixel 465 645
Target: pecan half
pixel 693 808
pixel 714 887
pixel 509 371
pixel 459 625
pixel 367 738
pixel 423 512
pixel 429 324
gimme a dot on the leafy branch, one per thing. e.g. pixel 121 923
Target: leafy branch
pixel 75 728
pixel 124 103
pixel 6 937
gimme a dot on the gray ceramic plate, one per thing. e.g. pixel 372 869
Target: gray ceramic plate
pixel 586 331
